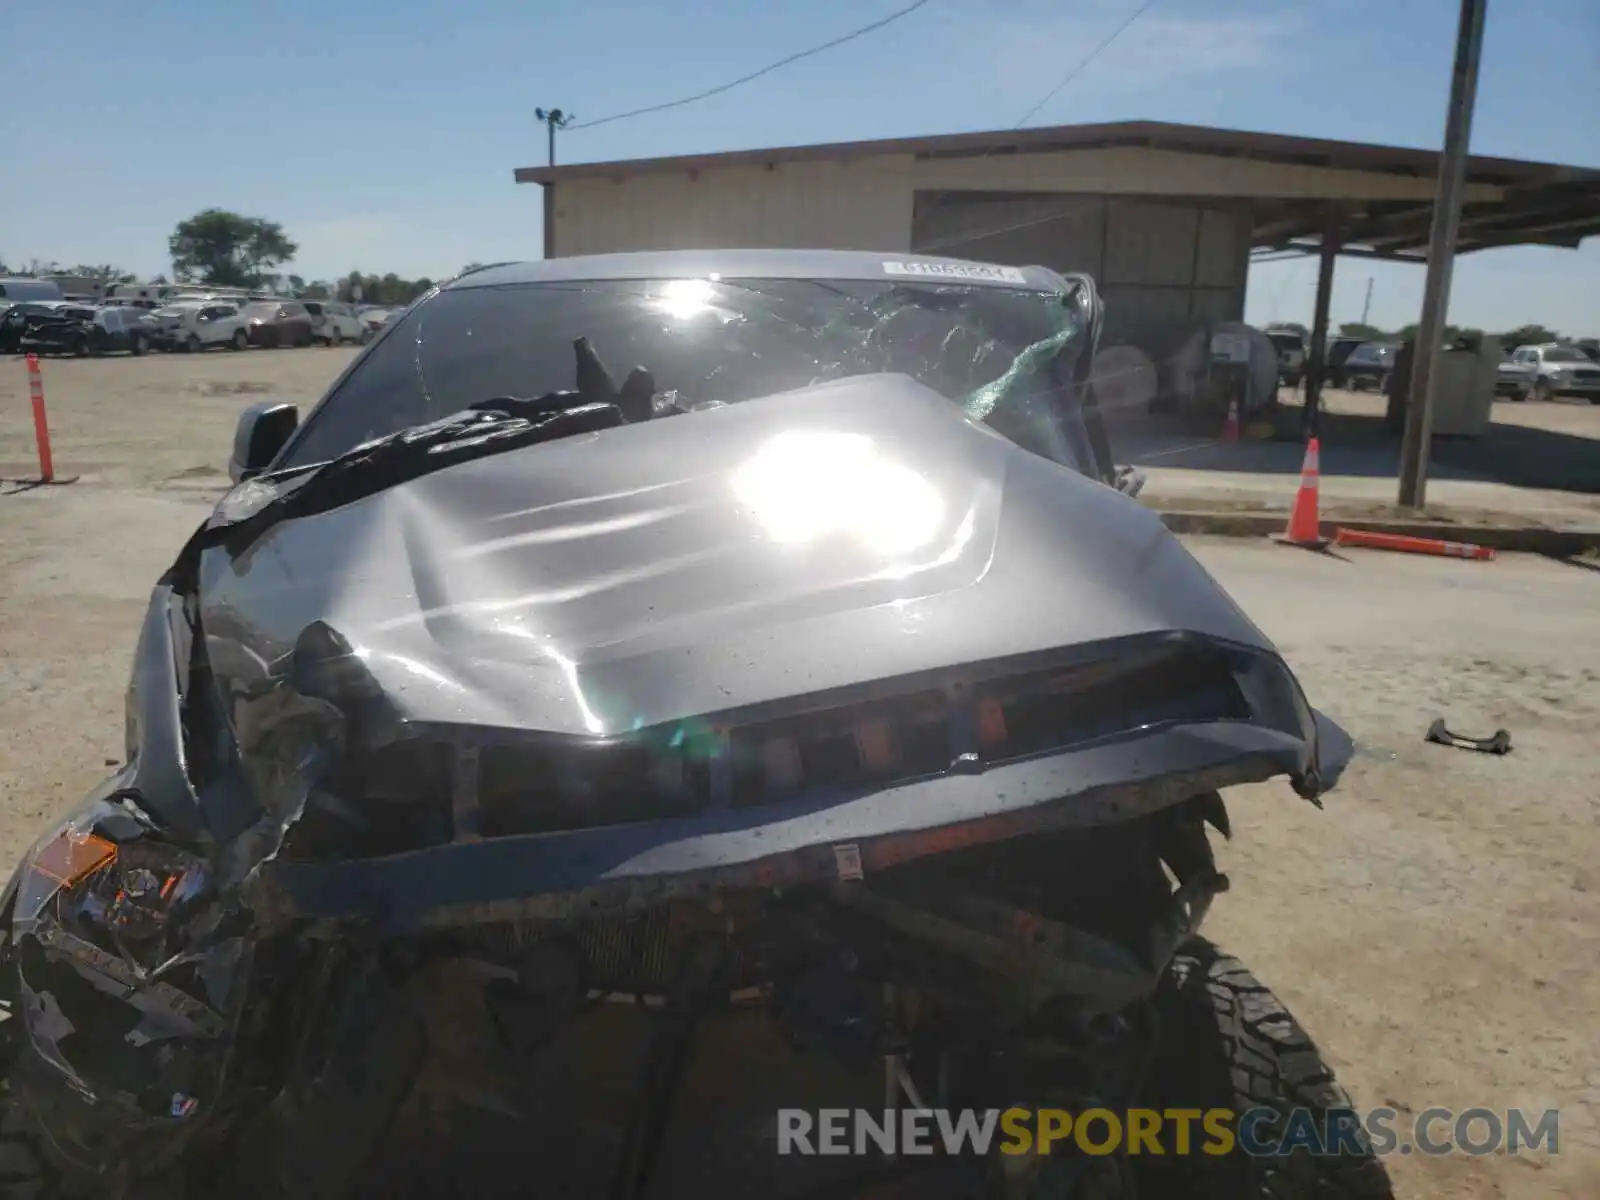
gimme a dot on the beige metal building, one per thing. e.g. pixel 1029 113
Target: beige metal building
pixel 1165 217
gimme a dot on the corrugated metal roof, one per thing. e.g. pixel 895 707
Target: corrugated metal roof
pixel 1544 203
pixel 1196 139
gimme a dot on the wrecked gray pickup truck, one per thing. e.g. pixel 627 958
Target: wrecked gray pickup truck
pixel 647 693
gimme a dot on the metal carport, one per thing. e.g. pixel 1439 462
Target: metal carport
pixel 1167 217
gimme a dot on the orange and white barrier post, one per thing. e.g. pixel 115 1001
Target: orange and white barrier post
pixel 1406 544
pixel 41 425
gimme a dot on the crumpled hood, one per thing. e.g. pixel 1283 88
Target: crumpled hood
pixel 812 540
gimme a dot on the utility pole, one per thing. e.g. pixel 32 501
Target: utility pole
pixel 553 120
pixel 1366 305
pixel 1441 254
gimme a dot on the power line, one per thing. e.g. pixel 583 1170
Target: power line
pixel 1084 62
pixel 766 70
pixel 1072 73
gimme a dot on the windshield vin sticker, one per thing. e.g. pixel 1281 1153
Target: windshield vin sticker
pixel 847 861
pixel 955 271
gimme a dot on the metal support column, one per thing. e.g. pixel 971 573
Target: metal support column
pixel 1441 255
pixel 549 206
pixel 1317 359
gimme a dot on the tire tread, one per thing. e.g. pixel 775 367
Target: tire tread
pixel 1273 1063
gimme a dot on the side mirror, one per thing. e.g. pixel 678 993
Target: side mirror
pixel 261 433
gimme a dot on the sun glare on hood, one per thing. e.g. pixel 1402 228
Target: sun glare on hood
pixel 806 486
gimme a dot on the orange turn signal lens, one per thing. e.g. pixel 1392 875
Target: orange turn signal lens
pixel 876 746
pixel 71 857
pixel 991 723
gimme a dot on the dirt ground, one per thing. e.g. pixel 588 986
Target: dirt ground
pixel 1436 927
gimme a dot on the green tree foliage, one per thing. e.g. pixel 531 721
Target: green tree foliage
pixel 227 249
pixel 1356 329
pixel 381 289
pixel 1529 335
pixel 1521 336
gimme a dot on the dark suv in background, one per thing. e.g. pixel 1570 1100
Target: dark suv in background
pixel 272 323
pixel 1339 351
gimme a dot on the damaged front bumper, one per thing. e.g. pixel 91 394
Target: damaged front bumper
pixel 591 872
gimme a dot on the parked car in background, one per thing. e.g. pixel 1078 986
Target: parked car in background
pixel 1340 349
pixel 1514 377
pixel 278 323
pixel 375 317
pixel 333 321
pixel 18 318
pixel 80 330
pixel 1369 366
pixel 195 325
pixel 1291 348
pixel 57 327
pixel 1561 371
pixel 121 330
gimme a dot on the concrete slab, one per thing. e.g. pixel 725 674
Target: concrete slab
pixel 1537 469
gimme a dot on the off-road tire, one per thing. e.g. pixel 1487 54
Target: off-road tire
pixel 1228 1042
pixel 239 341
pixel 192 344
pixel 1543 392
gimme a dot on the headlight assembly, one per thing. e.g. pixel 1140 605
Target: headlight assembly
pixel 134 898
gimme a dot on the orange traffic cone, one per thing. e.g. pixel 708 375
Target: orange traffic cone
pixel 1230 428
pixel 1305 528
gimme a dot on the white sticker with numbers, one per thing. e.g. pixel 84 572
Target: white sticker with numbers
pixel 940 270
pixel 847 859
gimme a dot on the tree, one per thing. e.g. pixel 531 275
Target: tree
pixel 227 249
pixel 387 289
pixel 103 271
pixel 1528 335
pixel 1355 329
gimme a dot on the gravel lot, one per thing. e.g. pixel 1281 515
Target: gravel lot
pixel 1436 928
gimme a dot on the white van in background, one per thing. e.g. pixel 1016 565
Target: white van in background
pixel 13 290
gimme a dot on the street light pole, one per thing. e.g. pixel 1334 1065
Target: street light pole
pixel 1441 254
pixel 553 120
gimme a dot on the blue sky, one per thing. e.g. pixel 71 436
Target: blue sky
pixel 382 133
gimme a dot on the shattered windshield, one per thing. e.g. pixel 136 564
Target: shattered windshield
pixel 1004 354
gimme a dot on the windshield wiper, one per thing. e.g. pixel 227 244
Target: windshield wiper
pixel 489 427
pixel 484 427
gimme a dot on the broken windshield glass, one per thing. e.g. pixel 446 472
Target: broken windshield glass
pixel 1003 354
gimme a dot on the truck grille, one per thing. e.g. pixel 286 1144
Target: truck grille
pixel 852 748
